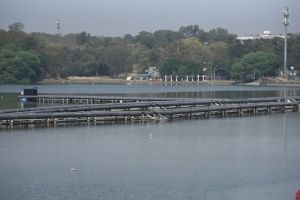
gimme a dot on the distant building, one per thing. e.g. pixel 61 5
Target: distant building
pixel 152 73
pixel 266 35
pixel 243 38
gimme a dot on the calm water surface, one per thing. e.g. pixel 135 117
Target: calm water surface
pixel 8 93
pixel 231 158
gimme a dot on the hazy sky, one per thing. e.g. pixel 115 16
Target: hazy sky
pixel 118 17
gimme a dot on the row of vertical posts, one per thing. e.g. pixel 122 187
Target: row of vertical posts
pixel 188 78
pixel 53 121
pixel 70 100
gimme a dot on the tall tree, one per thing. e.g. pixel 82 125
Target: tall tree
pixel 257 64
pixel 16 27
pixel 19 67
pixel 190 31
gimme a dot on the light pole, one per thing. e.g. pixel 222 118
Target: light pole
pixel 286 22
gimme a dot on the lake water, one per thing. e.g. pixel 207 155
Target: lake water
pixel 8 93
pixel 222 158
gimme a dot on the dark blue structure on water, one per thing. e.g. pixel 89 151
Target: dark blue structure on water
pixel 29 92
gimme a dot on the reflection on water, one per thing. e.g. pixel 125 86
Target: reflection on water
pixel 8 100
pixel 232 158
pixel 104 89
pixel 229 94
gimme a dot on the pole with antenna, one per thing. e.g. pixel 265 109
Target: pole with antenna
pixel 286 22
pixel 58 25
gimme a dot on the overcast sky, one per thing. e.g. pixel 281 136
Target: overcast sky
pixel 118 17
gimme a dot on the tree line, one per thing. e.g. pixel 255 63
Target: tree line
pixel 31 57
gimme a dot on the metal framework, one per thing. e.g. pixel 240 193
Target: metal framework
pixel 58 23
pixel 286 22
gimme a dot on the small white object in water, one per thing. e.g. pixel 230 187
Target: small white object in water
pixel 73 169
pixel 150 135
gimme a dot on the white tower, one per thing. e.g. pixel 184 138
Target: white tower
pixel 286 22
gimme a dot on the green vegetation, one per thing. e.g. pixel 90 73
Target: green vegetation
pixel 30 57
pixel 18 66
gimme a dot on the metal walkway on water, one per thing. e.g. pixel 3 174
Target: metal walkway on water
pixel 99 109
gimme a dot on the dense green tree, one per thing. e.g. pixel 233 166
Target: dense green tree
pixel 157 56
pixel 145 38
pixel 128 37
pixel 220 34
pixel 164 37
pixel 218 58
pixel 18 67
pixel 190 31
pixel 82 38
pixel 116 58
pixel 191 49
pixel 29 57
pixel 181 68
pixel 30 43
pixel 294 52
pixel 16 27
pixel 255 65
pixel 139 55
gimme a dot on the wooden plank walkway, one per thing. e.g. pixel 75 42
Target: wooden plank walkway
pixel 144 111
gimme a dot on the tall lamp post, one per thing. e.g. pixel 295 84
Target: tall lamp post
pixel 286 22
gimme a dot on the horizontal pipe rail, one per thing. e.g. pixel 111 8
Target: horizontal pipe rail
pixel 141 109
pixel 145 104
pixel 14 116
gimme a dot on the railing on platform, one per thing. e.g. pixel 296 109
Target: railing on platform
pixel 142 109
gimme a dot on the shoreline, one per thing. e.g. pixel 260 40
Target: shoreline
pixel 107 80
